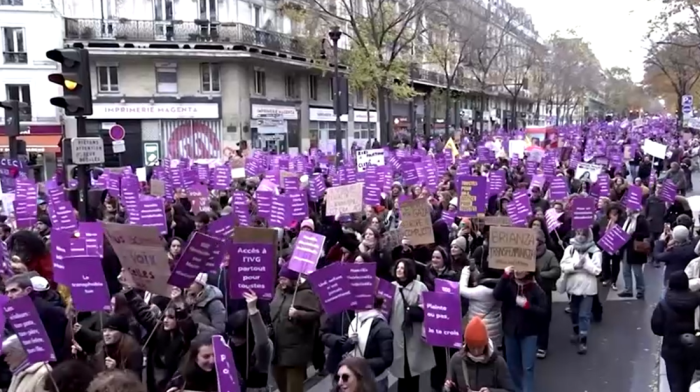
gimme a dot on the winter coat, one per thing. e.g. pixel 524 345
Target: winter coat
pixel 57 328
pixel 677 258
pixel 673 317
pixel 334 335
pixel 407 326
pixel 548 270
pixel 208 309
pixel 378 345
pixel 655 210
pixel 492 373
pixel 431 274
pixel 30 379
pixel 641 233
pixel 482 304
pixel 521 321
pixel 678 178
pixel 584 280
pixel 293 338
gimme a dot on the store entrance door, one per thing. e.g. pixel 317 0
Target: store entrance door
pixel 274 143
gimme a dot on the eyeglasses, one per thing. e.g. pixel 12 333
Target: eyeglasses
pixel 344 377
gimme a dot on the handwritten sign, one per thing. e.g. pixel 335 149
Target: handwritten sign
pixel 512 246
pixel 345 199
pixel 157 188
pixel 142 255
pixel 497 221
pixel 416 223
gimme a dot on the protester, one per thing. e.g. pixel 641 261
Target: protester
pixel 580 268
pixel 673 317
pixel 71 375
pixel 355 375
pixel 26 377
pixel 412 356
pixel 548 272
pixel 477 366
pixel 116 381
pixel 196 372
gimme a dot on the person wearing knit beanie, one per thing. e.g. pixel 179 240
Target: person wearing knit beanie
pixel 459 243
pixel 117 322
pixel 476 336
pixel 307 224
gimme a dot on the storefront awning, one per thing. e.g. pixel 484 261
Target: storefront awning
pixel 35 143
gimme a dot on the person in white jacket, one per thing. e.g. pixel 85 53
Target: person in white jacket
pixel 481 300
pixel 580 267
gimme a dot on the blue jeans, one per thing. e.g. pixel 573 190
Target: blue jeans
pixel 627 271
pixel 581 306
pixel 521 354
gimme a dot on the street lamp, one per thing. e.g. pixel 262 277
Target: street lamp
pixel 335 35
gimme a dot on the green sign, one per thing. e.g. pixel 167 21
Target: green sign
pixel 151 153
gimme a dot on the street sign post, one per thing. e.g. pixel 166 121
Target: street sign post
pixel 87 151
pixel 686 108
pixel 117 134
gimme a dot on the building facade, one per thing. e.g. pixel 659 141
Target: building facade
pixel 28 29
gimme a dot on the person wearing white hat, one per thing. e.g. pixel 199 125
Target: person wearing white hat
pixel 206 303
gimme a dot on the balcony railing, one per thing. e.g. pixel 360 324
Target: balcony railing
pixel 14 57
pixel 199 31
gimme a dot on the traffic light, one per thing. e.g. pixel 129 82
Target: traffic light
pixel 12 116
pixel 75 79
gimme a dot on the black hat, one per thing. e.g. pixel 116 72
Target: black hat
pixel 44 219
pixel 678 281
pixel 117 322
pixel 350 242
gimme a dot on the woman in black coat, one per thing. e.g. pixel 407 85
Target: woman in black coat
pixel 674 320
pixel 636 251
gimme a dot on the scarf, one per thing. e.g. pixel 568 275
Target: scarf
pixel 586 246
pixel 631 223
pixel 362 326
pixel 483 358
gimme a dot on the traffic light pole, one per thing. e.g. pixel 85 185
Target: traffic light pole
pixel 83 177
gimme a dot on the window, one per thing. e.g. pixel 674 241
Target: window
pixel 359 97
pixel 259 81
pixel 20 92
pixel 290 87
pixel 210 77
pixel 14 50
pixel 313 87
pixel 11 2
pixel 166 78
pixel 208 10
pixel 163 19
pixel 107 78
pixel 257 16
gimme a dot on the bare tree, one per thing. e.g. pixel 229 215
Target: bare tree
pixel 518 60
pixel 677 62
pixel 453 26
pixel 381 42
pixel 488 44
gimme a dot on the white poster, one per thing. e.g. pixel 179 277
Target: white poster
pixel 657 150
pixel 588 172
pixel 364 158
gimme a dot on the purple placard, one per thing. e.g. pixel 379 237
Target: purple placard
pixel 668 191
pixel 633 198
pixel 386 290
pixel 472 193
pixel 226 372
pixel 361 277
pixel 25 321
pixel 307 251
pixel 251 267
pixel 88 286
pixel 222 228
pixel 93 234
pixel 62 216
pixel 558 190
pixel 443 321
pixel 613 239
pixel 332 288
pixel 446 286
pixel 63 245
pixel 583 212
pixel 196 258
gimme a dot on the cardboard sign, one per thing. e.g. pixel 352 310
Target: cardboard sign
pixel 345 199
pixel 158 188
pixel 512 246
pixel 416 223
pixel 497 221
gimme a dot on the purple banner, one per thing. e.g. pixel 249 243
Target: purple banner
pixel 386 290
pixel 307 251
pixel 443 321
pixel 251 267
pixel 226 372
pixel 668 191
pixel 25 321
pixel 472 193
pixel 332 288
pixel 446 286
pixel 583 212
pixel 613 239
pixel 361 277
pixel 88 286
pixel 194 259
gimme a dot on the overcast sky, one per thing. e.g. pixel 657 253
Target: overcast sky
pixel 614 28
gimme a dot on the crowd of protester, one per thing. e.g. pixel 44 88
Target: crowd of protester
pixel 151 343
